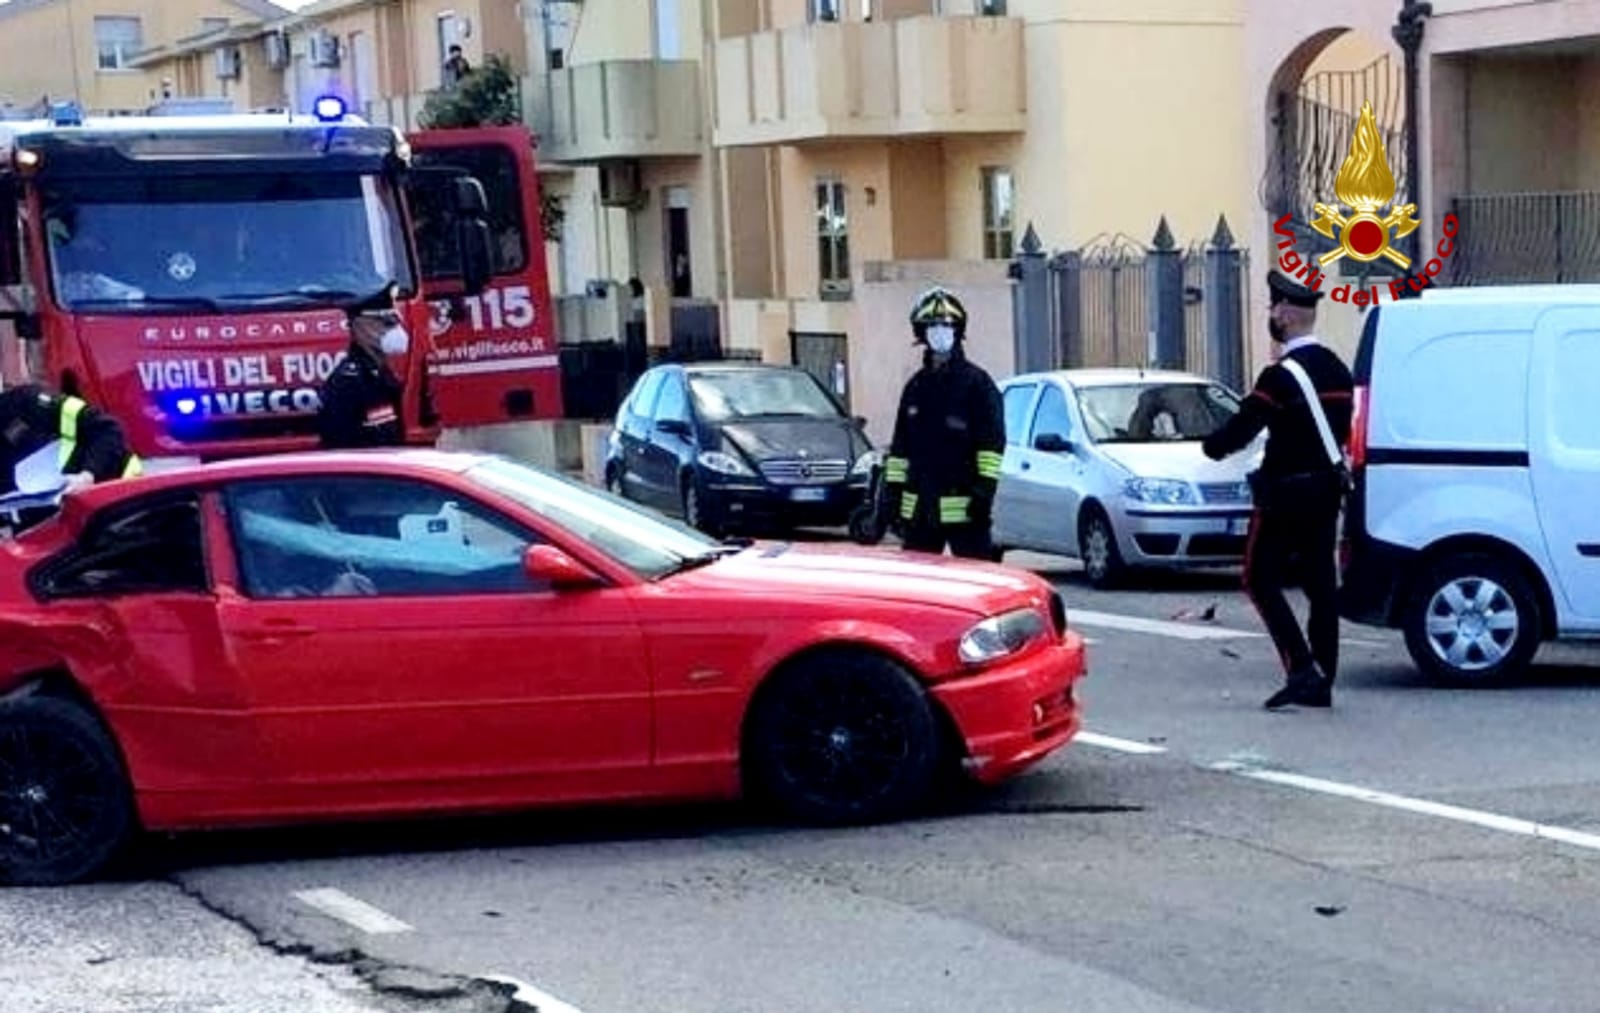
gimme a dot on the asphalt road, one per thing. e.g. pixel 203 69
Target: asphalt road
pixel 1412 849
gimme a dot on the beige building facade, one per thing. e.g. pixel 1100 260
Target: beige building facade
pixel 86 50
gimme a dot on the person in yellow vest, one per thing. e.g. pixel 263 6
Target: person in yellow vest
pixel 93 447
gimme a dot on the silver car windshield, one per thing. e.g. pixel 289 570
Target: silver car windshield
pixel 1155 412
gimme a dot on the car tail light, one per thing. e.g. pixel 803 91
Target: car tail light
pixel 1359 415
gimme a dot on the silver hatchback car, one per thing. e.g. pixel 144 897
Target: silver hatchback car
pixel 1105 466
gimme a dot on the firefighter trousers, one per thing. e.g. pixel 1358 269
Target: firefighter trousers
pixel 969 541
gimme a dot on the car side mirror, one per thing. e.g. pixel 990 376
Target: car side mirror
pixel 859 420
pixel 1052 443
pixel 677 427
pixel 547 564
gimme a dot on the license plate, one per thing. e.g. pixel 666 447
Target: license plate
pixel 808 495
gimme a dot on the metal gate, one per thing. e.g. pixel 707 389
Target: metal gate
pixel 826 357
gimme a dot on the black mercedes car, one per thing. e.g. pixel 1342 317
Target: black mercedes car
pixel 739 446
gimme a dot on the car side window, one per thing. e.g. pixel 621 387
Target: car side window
pixel 641 406
pixel 1053 417
pixel 349 536
pixel 673 402
pixel 1017 401
pixel 150 547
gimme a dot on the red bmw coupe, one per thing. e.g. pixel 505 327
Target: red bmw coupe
pixel 333 636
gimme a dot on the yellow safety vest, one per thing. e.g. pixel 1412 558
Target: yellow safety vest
pixel 71 408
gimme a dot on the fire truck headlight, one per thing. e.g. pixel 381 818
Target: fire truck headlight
pixel 329 108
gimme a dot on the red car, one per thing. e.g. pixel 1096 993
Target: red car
pixel 329 636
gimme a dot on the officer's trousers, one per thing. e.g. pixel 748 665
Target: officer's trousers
pixel 969 541
pixel 1283 545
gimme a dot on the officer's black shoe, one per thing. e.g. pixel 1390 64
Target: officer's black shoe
pixel 1307 687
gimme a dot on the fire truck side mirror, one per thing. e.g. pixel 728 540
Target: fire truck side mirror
pixel 472 235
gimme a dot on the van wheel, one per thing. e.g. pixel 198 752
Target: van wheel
pixel 1473 621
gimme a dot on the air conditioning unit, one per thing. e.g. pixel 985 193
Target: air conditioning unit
pixel 324 49
pixel 230 63
pixel 277 45
pixel 619 184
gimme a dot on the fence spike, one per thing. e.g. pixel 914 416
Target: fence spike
pixel 1031 245
pixel 1222 239
pixel 1163 240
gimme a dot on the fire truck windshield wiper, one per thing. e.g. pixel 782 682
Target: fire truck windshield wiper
pixel 150 305
pixel 314 294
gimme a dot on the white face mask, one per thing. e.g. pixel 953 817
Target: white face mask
pixel 941 338
pixel 395 341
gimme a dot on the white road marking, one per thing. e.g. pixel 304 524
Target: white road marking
pixel 1158 627
pixel 544 1002
pixel 1491 821
pixel 1120 745
pixel 340 905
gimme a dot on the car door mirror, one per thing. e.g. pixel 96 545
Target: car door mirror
pixel 677 427
pixel 1052 443
pixel 546 564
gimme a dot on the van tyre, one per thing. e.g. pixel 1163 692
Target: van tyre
pixel 1474 620
pixel 65 806
pixel 842 739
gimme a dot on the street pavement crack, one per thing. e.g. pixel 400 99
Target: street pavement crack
pixel 406 988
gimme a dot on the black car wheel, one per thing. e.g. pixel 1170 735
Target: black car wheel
pixel 65 806
pixel 842 738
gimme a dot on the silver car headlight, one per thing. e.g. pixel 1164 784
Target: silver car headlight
pixel 864 463
pixel 723 464
pixel 1002 635
pixel 1167 491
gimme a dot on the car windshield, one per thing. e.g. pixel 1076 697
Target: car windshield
pixel 640 539
pixel 211 243
pixel 1155 412
pixel 751 393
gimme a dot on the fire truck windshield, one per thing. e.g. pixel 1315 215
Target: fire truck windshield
pixel 223 242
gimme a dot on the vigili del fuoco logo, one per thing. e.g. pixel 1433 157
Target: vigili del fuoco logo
pixel 1366 185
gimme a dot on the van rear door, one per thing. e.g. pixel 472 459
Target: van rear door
pixel 1564 445
pixel 495 357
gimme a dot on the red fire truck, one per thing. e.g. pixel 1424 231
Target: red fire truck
pixel 190 274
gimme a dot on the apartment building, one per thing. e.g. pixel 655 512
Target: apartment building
pixel 85 50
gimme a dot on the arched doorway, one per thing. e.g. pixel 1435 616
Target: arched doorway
pixel 1309 84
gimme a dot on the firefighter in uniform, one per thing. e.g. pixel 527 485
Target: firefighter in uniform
pixel 361 400
pixel 949 436
pixel 93 447
pixel 1298 492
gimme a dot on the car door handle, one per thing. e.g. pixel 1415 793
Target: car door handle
pixel 277 629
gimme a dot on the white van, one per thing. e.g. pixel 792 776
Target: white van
pixel 1475 522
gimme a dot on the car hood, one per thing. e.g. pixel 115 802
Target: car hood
pixel 835 572
pixel 1183 460
pixel 816 438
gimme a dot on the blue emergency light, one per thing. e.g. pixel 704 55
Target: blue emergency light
pixel 329 108
pixel 187 405
pixel 66 114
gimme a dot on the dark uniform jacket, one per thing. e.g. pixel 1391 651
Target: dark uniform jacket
pixel 1294 445
pixel 949 438
pixel 91 440
pixel 360 404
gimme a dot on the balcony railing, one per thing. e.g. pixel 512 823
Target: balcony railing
pixel 619 109
pixel 902 77
pixel 1526 238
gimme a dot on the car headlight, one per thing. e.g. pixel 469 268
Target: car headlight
pixel 723 464
pixel 1170 491
pixel 1001 635
pixel 864 463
